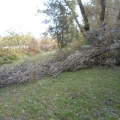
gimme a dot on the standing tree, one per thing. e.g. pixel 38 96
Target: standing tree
pixel 102 14
pixel 64 17
pixel 117 4
pixel 84 15
pixel 118 17
pixel 62 27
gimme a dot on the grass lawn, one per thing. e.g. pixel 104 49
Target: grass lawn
pixel 91 94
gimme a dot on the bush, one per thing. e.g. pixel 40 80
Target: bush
pixel 75 45
pixel 8 59
pixel 47 44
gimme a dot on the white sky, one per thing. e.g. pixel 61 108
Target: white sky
pixel 21 16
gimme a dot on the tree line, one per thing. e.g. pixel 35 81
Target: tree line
pixel 70 19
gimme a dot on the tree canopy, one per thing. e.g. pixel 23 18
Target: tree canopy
pixel 64 17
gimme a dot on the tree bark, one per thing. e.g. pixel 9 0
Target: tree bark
pixel 102 14
pixel 85 18
pixel 75 18
pixel 117 5
pixel 118 17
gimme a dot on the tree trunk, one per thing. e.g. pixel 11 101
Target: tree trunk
pixel 117 6
pixel 118 17
pixel 102 14
pixel 79 25
pixel 75 18
pixel 85 18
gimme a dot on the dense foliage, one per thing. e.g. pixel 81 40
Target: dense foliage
pixel 64 18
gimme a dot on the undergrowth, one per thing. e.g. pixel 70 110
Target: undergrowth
pixel 8 59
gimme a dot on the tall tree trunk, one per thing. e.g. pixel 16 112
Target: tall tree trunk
pixel 102 14
pixel 117 5
pixel 76 20
pixel 118 17
pixel 85 18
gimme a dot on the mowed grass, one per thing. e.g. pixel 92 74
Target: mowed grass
pixel 90 94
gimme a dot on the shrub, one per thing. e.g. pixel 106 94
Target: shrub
pixel 47 44
pixel 76 44
pixel 8 59
pixel 33 46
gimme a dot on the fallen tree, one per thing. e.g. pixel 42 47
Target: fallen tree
pixel 103 51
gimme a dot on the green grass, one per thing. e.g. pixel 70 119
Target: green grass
pixel 91 94
pixel 12 60
pixel 41 56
